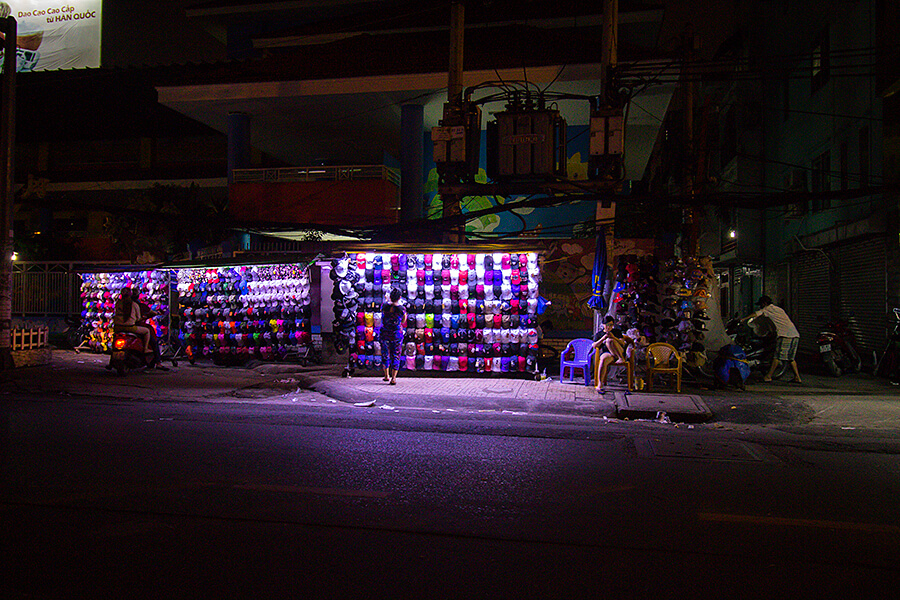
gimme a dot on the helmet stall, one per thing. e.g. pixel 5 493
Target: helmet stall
pixel 466 312
pixel 99 292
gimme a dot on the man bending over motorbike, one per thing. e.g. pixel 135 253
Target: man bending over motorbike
pixel 787 334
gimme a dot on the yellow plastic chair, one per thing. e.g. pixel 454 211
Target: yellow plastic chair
pixel 660 357
pixel 628 365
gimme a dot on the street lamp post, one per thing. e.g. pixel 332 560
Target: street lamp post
pixel 7 181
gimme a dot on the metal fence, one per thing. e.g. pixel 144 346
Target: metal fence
pixel 332 173
pixel 47 289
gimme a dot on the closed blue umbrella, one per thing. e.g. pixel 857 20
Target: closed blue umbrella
pixel 598 280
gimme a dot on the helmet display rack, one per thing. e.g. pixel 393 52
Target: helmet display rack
pixel 227 314
pixel 663 302
pixel 472 313
pixel 99 292
pixel 231 314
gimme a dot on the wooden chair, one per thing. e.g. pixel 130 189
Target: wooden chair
pixel 660 357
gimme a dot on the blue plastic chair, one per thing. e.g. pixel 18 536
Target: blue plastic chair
pixel 582 358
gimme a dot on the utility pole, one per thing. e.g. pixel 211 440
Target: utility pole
pixel 457 39
pixel 690 234
pixel 607 144
pixel 609 53
pixel 7 186
pixel 450 202
pixel 609 58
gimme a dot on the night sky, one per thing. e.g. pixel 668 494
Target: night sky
pixel 159 33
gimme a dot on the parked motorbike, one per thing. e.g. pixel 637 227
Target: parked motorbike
pixel 77 332
pixel 758 350
pixel 837 348
pixel 888 365
pixel 126 353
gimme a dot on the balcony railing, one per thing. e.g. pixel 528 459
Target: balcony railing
pixel 331 173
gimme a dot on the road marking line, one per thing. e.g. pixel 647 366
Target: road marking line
pixel 822 524
pixel 297 489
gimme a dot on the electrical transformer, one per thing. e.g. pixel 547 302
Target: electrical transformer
pixel 457 143
pixel 526 144
pixel 607 143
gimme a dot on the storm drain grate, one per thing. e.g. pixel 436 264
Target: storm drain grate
pixel 703 450
pixel 678 407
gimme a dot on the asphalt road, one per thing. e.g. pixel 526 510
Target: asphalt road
pixel 115 499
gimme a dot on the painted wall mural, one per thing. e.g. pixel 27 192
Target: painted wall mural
pixel 567 269
pixel 572 219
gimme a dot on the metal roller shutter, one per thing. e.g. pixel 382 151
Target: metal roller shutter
pixel 812 296
pixel 862 292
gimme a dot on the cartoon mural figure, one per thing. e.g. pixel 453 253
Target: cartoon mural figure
pixel 567 283
pixel 524 221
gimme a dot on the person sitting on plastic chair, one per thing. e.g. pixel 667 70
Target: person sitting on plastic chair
pixel 613 345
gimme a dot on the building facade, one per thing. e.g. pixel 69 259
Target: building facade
pixel 799 159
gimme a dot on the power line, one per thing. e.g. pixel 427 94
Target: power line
pixel 810 112
pixel 830 173
pixel 781 59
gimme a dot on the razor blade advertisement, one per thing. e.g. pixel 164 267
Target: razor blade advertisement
pixel 51 36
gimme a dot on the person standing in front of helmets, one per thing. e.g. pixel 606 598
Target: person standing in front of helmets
pixel 393 326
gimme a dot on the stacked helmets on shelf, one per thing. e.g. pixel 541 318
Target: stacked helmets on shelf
pixel 230 314
pixel 99 292
pixel 686 290
pixel 635 299
pixel 346 300
pixel 466 312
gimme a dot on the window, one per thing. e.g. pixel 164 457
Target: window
pixel 729 137
pixel 786 97
pixel 845 174
pixel 70 225
pixel 820 62
pixel 864 157
pixel 821 181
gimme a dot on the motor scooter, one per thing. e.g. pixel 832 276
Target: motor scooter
pixel 77 333
pixel 758 350
pixel 888 365
pixel 837 348
pixel 126 353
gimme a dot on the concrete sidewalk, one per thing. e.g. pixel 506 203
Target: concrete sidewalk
pixel 853 401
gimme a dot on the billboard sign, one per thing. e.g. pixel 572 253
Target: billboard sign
pixel 55 35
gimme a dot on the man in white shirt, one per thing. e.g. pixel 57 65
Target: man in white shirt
pixel 788 338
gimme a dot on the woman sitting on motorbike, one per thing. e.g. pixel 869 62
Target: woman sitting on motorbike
pixel 126 316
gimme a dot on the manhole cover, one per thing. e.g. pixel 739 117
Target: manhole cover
pixel 676 406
